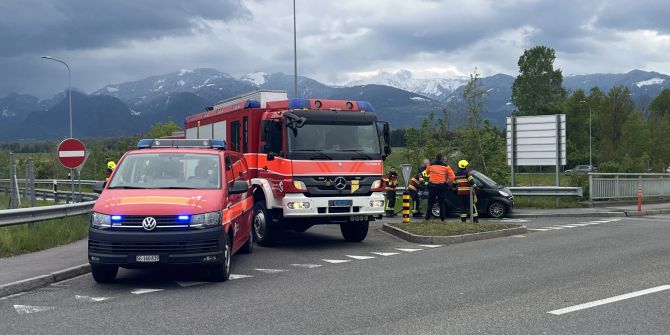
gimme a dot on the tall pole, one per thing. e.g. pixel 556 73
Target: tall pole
pixel 295 55
pixel 590 142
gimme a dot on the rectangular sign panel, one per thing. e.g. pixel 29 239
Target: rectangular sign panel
pixel 536 140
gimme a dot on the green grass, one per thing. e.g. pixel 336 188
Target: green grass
pixel 450 228
pixel 546 202
pixel 4 202
pixel 19 239
pixel 542 179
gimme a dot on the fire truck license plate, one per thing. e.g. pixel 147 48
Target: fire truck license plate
pixel 340 203
pixel 147 258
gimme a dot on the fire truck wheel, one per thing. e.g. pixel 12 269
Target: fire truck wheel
pixel 221 271
pixel 248 247
pixel 104 273
pixel 354 231
pixel 262 225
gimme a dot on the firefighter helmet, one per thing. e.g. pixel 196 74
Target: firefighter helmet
pixel 111 165
pixel 463 164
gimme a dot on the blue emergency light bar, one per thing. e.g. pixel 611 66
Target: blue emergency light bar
pixel 149 143
pixel 365 106
pixel 298 104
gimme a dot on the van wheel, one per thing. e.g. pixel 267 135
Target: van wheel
pixel 248 247
pixel 354 231
pixel 221 271
pixel 104 273
pixel 263 229
pixel 497 209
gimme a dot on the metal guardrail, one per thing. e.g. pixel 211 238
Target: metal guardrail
pixel 546 191
pixel 56 196
pixel 625 185
pixel 10 217
pixel 58 181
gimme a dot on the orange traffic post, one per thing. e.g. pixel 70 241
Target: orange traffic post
pixel 639 198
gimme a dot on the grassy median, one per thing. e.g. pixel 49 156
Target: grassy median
pixel 25 238
pixel 450 228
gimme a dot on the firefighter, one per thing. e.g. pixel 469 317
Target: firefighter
pixel 440 177
pixel 464 185
pixel 415 185
pixel 111 166
pixel 391 182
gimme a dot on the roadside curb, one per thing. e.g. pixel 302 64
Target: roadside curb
pixel 569 215
pixel 648 212
pixel 446 240
pixel 44 280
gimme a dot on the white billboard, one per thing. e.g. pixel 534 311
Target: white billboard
pixel 536 140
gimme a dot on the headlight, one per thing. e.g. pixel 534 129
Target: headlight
pixel 100 221
pixel 206 220
pixel 376 203
pixel 298 205
pixel 504 194
pixel 299 185
pixel 376 184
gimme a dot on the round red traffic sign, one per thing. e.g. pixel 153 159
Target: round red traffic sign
pixel 71 153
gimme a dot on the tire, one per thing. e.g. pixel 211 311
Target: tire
pixel 496 209
pixel 262 225
pixel 248 246
pixel 104 274
pixel 221 272
pixel 354 231
pixel 435 211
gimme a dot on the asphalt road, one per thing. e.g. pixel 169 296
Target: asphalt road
pixel 499 286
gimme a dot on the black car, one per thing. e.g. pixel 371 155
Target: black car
pixel 493 199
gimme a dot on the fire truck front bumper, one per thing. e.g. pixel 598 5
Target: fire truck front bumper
pixel 298 205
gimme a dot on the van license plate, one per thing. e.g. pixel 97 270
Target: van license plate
pixel 147 258
pixel 340 203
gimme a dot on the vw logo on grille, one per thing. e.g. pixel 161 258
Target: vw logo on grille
pixel 149 223
pixel 340 183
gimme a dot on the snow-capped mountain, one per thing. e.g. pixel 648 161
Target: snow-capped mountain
pixel 434 88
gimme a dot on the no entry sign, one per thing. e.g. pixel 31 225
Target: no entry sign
pixel 71 153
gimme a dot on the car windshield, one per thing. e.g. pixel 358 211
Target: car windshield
pixel 335 141
pixel 484 179
pixel 168 171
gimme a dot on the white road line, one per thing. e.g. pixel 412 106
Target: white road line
pixel 91 299
pixel 234 276
pixel 360 257
pixel 581 224
pixel 538 229
pixel 27 309
pixel 191 283
pixel 146 290
pixel 336 261
pixel 308 266
pixel 385 254
pixel 552 228
pixel 615 220
pixel 431 245
pixel 609 300
pixel 13 296
pixel 408 249
pixel 271 270
pixel 567 226
pixel 602 221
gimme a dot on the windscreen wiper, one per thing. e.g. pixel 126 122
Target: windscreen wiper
pixel 323 154
pixel 176 188
pixel 128 187
pixel 360 152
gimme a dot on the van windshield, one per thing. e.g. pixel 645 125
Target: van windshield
pixel 167 171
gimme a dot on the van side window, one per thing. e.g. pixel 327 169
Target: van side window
pixel 230 177
pixel 235 136
pixel 245 134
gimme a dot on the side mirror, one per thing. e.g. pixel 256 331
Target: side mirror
pixel 271 156
pixel 239 187
pixel 98 187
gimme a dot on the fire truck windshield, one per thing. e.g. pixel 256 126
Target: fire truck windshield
pixel 167 171
pixel 334 141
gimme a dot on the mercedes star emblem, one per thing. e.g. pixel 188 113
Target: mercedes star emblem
pixel 149 223
pixel 340 183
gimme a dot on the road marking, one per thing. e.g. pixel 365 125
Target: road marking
pixel 581 224
pixel 271 270
pixel 13 296
pixel 431 245
pixel 602 221
pixel 518 235
pixel 27 309
pixel 308 266
pixel 552 228
pixel 408 249
pixel 385 254
pixel 336 261
pixel 234 276
pixel 360 257
pixel 609 300
pixel 538 229
pixel 91 299
pixel 146 290
pixel 191 283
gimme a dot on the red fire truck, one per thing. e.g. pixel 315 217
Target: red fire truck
pixel 312 161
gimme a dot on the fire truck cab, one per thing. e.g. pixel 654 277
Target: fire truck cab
pixel 312 161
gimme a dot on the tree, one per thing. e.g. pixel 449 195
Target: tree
pixel 618 107
pixel 659 130
pixel 538 89
pixel 577 127
pixel 163 129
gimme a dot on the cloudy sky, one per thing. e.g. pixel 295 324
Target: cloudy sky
pixel 115 41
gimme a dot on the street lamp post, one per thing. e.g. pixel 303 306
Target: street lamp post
pixel 590 138
pixel 69 95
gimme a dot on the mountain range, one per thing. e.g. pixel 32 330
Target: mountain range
pixel 400 98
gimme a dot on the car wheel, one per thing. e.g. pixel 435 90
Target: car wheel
pixel 435 211
pixel 497 209
pixel 262 225
pixel 354 231
pixel 248 247
pixel 104 273
pixel 221 272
